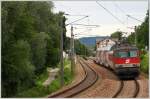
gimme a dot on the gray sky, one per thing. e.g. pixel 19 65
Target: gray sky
pixel 98 16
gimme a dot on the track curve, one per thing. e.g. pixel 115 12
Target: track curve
pixel 123 85
pixel 90 78
pixel 137 88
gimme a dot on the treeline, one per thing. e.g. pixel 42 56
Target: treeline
pixel 142 42
pixel 142 34
pixel 30 43
pixel 81 49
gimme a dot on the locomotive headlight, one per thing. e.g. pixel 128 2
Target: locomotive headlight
pixel 118 65
pixel 136 65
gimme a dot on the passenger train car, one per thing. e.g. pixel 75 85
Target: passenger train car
pixel 122 58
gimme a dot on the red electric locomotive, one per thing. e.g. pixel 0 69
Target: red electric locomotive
pixel 123 59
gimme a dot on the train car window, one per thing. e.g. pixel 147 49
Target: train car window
pixel 133 53
pixel 121 54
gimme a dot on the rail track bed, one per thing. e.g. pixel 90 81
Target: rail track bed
pixel 110 86
pixel 90 79
pixel 100 82
pixel 128 89
pixel 106 85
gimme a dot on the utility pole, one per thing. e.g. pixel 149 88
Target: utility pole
pixel 72 41
pixel 85 50
pixel 135 35
pixel 61 57
pixel 134 27
pixel 72 51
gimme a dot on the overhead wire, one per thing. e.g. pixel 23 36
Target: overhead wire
pixel 126 13
pixel 110 12
pixel 128 16
pixel 133 18
pixel 117 6
pixel 121 10
pixel 76 20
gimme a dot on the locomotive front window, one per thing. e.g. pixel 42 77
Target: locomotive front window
pixel 133 53
pixel 121 54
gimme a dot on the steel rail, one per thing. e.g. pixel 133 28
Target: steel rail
pixel 119 90
pixel 122 85
pixel 94 81
pixel 121 82
pixel 64 91
pixel 76 89
pixel 137 88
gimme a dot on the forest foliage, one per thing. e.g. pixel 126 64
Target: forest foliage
pixel 81 49
pixel 142 34
pixel 30 43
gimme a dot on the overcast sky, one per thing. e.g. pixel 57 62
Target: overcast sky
pixel 99 16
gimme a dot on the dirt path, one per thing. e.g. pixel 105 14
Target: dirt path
pixel 52 74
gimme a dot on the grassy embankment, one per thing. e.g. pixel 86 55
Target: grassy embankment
pixel 145 63
pixel 40 91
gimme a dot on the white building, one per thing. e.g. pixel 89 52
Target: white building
pixel 105 44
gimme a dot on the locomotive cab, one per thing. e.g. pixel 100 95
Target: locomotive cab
pixel 126 62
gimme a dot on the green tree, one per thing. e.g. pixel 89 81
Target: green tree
pixel 81 49
pixel 142 34
pixel 38 45
pixel 117 34
pixel 17 70
pixel 31 27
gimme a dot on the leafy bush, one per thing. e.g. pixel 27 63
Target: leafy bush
pixel 55 85
pixel 41 91
pixel 41 78
pixel 145 63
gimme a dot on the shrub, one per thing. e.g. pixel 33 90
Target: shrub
pixel 145 63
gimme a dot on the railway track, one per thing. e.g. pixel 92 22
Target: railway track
pixel 119 90
pixel 137 88
pixel 122 85
pixel 90 78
